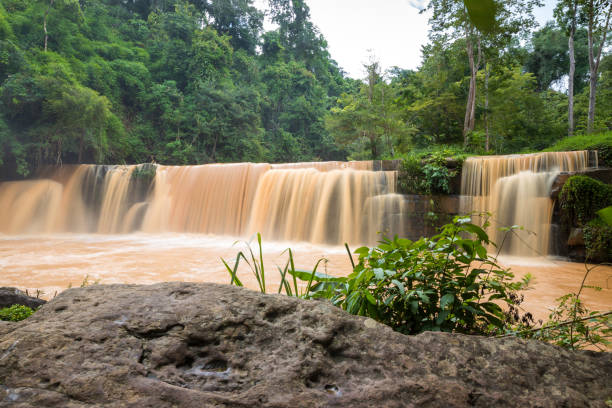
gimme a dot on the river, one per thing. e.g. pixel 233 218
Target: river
pixel 52 263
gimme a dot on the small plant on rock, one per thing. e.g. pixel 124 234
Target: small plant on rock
pixel 15 313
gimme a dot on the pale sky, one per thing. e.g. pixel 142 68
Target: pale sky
pixel 392 29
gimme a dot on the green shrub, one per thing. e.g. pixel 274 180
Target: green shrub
pixel 602 142
pixel 428 172
pixel 598 241
pixel 445 283
pixel 581 198
pixel 411 179
pixel 15 313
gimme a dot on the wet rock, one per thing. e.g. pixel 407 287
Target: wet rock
pixel 576 237
pixel 558 184
pixel 13 296
pixel 200 345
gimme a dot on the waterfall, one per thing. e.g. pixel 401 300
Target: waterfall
pixel 515 189
pixel 320 202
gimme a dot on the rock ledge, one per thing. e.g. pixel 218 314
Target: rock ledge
pixel 195 345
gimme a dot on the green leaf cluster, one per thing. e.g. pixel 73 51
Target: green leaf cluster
pixel 586 203
pixel 15 313
pixel 598 240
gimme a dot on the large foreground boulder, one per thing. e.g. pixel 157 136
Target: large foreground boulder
pixel 201 345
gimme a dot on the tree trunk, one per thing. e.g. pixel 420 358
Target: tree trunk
pixel 45 23
pixel 470 109
pixel 486 110
pixel 594 61
pixel 474 75
pixel 471 92
pixel 572 71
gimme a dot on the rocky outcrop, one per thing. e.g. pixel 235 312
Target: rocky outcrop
pixel 13 296
pixel 603 174
pixel 201 345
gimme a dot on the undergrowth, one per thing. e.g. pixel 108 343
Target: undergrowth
pixel 445 283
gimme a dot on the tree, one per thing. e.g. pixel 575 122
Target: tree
pixel 598 18
pixel 433 95
pixel 451 19
pixel 238 19
pixel 82 116
pixel 520 116
pixel 566 15
pixel 370 120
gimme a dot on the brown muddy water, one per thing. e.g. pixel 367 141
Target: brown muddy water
pixel 52 263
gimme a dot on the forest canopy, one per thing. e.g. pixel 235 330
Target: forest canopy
pixel 200 81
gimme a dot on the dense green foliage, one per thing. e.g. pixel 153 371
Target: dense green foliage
pixel 598 240
pixel 15 313
pixel 185 81
pixel 430 171
pixel 175 82
pixel 582 196
pixel 602 142
pixel 444 283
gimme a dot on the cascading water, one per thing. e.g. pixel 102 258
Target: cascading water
pixel 321 202
pixel 328 202
pixel 330 207
pixel 515 189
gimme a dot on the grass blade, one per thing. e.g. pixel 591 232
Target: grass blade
pixel 261 263
pixel 314 271
pixel 233 272
pixel 349 254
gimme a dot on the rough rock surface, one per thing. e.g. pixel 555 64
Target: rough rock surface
pixel 200 345
pixel 13 296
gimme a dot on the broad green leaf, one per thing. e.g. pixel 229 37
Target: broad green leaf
pixel 399 285
pixel 447 300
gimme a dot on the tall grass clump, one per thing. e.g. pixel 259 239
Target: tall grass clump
pixel 289 274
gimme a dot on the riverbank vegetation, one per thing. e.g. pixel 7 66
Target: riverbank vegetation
pixel 185 82
pixel 445 283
